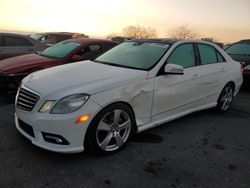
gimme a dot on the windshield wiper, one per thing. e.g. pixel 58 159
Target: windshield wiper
pixel 107 63
pixel 116 65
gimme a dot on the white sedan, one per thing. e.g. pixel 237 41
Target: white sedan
pixel 135 86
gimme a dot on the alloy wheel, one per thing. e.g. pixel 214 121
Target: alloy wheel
pixel 113 130
pixel 226 98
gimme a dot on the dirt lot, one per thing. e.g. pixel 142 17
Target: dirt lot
pixel 203 149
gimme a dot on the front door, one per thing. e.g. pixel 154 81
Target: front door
pixel 174 93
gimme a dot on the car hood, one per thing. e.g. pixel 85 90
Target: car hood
pixel 81 77
pixel 22 63
pixel 241 58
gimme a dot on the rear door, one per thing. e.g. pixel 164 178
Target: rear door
pixel 174 93
pixel 15 45
pixel 212 68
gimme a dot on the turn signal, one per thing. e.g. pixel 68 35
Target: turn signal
pixel 83 118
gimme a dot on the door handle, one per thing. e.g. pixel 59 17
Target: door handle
pixel 223 69
pixel 196 75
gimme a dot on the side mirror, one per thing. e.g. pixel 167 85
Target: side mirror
pixel 77 58
pixel 174 69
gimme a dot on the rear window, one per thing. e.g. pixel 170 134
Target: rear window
pixel 61 49
pixel 239 49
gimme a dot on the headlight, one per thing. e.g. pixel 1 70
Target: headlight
pixel 247 67
pixel 70 104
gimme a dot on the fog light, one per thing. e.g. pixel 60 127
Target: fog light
pixel 83 118
pixel 54 138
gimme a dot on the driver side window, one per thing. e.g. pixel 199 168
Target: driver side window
pixel 182 55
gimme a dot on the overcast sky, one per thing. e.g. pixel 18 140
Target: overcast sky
pixel 226 20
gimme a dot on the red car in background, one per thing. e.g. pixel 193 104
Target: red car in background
pixel 13 70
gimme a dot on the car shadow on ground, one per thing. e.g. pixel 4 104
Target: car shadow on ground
pixel 6 98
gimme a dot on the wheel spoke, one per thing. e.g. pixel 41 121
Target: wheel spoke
pixel 224 106
pixel 125 125
pixel 223 98
pixel 104 126
pixel 118 139
pixel 106 141
pixel 117 115
pixel 227 90
pixel 229 95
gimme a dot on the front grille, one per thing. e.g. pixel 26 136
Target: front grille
pixel 26 99
pixel 26 128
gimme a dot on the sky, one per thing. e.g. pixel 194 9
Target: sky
pixel 224 20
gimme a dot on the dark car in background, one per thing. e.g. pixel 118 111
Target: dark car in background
pixel 51 38
pixel 121 39
pixel 13 70
pixel 240 51
pixel 14 45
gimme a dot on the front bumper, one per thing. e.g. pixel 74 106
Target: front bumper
pixel 57 124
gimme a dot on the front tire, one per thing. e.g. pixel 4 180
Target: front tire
pixel 226 98
pixel 110 130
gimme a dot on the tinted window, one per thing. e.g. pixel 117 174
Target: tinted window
pixel 95 47
pixel 37 36
pixel 239 48
pixel 50 39
pixel 207 54
pixel 183 55
pixel 106 47
pixel 220 57
pixel 16 41
pixel 61 49
pixel 90 52
pixel 141 55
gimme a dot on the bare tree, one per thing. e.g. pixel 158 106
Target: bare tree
pixel 182 32
pixel 139 32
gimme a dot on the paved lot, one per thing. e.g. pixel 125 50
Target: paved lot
pixel 203 149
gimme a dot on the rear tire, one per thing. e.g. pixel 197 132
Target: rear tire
pixel 226 98
pixel 110 130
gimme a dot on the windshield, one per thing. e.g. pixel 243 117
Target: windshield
pixel 239 48
pixel 135 55
pixel 60 49
pixel 37 36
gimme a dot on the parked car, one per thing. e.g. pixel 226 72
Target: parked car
pixel 121 39
pixel 14 45
pixel 13 70
pixel 134 86
pixel 51 38
pixel 240 51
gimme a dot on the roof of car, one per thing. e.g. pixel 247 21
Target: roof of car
pixel 245 40
pixel 158 40
pixel 13 34
pixel 91 41
pixel 59 33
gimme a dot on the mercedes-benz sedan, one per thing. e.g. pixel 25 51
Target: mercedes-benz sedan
pixel 134 86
